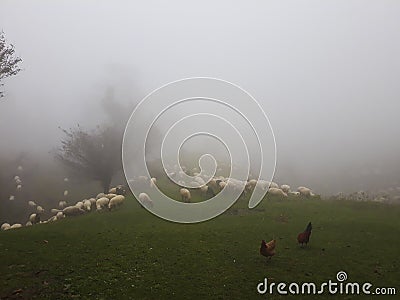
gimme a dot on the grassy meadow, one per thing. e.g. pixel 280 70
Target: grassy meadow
pixel 131 254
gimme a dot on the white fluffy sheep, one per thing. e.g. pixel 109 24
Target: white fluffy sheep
pixel 72 211
pixel 109 196
pixel 66 193
pixel 29 223
pixel 54 210
pixel 102 203
pixel 19 186
pixel 62 204
pixel 116 201
pixel 285 188
pixel 16 225
pixel 79 204
pixel 145 200
pixel 60 215
pixel 40 209
pixel 304 191
pixel 5 226
pixel 31 203
pixel 87 205
pixel 100 195
pixel 34 218
pixel 185 195
pixel 12 198
pixel 112 190
pixel 277 192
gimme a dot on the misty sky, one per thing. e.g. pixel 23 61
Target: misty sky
pixel 325 72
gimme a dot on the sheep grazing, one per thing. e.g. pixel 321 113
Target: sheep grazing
pixel 31 203
pixel 79 204
pixel 19 186
pixel 62 204
pixel 116 201
pixel 93 201
pixel 294 193
pixel 185 195
pixel 204 189
pixel 102 203
pixel 250 185
pixel 277 192
pixel 12 198
pixel 87 205
pixel 16 225
pixel 285 188
pixel 16 177
pixel 39 209
pixel 18 181
pixel 29 223
pixel 66 193
pixel 112 190
pixel 145 200
pixel 305 191
pixel 222 185
pixel 100 195
pixel 72 211
pixel 5 226
pixel 34 218
pixel 54 211
pixel 153 182
pixel 60 215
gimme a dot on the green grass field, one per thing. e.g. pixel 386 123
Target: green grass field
pixel 131 254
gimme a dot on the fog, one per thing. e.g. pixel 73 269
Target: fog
pixel 325 72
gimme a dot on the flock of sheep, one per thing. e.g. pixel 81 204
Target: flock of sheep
pixel 101 202
pixel 213 186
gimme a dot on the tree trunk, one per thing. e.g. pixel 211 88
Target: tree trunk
pixel 106 182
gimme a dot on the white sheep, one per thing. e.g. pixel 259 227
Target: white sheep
pixel 40 209
pixel 54 210
pixel 5 226
pixel 185 195
pixel 100 195
pixel 16 177
pixel 66 193
pixel 116 201
pixel 294 193
pixel 79 204
pixel 285 188
pixel 18 181
pixel 19 186
pixel 112 190
pixel 12 198
pixel 204 189
pixel 16 225
pixel 62 204
pixel 29 223
pixel 109 196
pixel 31 203
pixel 222 184
pixel 34 218
pixel 60 215
pixel 145 200
pixel 250 185
pixel 87 205
pixel 304 191
pixel 277 192
pixel 93 201
pixel 102 203
pixel 72 211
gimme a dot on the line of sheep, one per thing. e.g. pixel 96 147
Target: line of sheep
pixel 102 202
pixel 215 185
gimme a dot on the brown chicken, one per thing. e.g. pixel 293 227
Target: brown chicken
pixel 268 249
pixel 304 237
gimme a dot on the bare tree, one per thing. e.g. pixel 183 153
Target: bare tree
pixel 93 155
pixel 8 61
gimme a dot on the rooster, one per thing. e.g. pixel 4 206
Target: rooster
pixel 268 249
pixel 304 237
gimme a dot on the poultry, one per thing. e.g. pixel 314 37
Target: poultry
pixel 268 249
pixel 304 237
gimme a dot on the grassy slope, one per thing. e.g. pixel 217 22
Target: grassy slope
pixel 131 254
